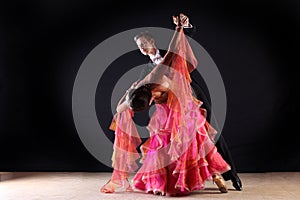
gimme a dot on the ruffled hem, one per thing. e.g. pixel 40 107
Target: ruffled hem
pixel 180 177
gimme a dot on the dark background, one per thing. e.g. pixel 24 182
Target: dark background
pixel 255 45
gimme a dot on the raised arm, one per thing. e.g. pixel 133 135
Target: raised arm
pixel 189 29
pixel 181 22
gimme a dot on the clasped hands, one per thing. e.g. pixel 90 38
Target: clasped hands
pixel 182 20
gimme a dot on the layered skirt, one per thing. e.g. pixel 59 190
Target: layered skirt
pixel 178 163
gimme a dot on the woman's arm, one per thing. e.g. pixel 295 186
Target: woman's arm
pixel 188 30
pixel 123 104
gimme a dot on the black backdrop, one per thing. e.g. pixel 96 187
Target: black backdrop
pixel 43 43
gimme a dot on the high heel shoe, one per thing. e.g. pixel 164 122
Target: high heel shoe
pixel 108 188
pixel 219 181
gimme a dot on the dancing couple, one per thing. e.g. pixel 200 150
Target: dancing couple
pixel 180 154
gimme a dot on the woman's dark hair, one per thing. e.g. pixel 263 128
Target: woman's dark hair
pixel 139 98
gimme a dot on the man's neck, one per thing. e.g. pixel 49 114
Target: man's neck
pixel 156 58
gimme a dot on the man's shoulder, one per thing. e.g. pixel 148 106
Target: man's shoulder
pixel 162 52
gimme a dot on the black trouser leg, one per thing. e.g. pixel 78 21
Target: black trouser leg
pixel 224 151
pixel 221 145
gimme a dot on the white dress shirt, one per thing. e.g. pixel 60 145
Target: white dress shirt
pixel 156 58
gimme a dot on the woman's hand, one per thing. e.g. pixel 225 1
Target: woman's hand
pixel 175 20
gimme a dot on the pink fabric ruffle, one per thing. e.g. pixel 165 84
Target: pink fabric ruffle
pixel 192 166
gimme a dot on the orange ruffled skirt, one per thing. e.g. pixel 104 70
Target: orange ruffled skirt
pixel 196 163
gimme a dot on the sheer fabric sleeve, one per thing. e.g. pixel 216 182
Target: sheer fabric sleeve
pixel 125 151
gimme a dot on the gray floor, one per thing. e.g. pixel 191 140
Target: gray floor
pixel 85 186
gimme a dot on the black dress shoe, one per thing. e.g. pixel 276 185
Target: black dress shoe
pixel 237 183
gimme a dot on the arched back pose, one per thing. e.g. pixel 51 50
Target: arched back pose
pixel 179 155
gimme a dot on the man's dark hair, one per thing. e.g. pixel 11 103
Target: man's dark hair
pixel 139 98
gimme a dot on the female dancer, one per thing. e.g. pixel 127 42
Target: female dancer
pixel 179 155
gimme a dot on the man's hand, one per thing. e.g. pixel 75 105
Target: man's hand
pixel 133 86
pixel 183 20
